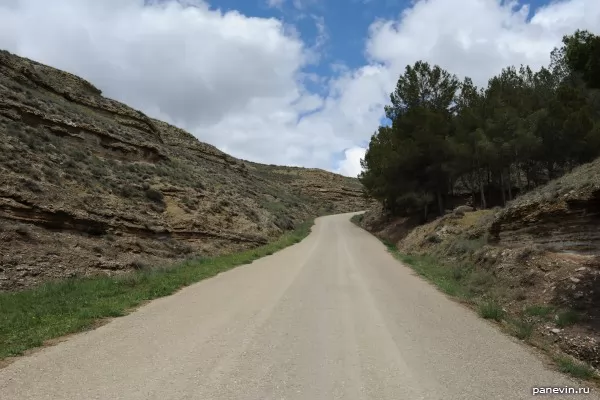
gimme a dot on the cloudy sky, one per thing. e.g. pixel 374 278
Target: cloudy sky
pixel 295 82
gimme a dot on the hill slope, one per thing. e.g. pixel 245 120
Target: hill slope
pixel 89 185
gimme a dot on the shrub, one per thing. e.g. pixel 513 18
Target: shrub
pixel 357 219
pixel 70 163
pixel 140 265
pixel 566 318
pixel 522 329
pixel 155 195
pixel 464 245
pixel 32 185
pixel 433 238
pixel 129 191
pixel 78 155
pixel 284 223
pixel 51 174
pixel 479 281
pixel 574 368
pixel 538 310
pixel 460 273
pixel 491 310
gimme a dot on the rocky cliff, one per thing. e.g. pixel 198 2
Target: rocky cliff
pixel 561 216
pixel 89 185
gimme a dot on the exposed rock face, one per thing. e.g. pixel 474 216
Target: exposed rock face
pixel 562 216
pixel 89 185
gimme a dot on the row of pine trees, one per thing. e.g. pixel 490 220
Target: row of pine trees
pixel 448 136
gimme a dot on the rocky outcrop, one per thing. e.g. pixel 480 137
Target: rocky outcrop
pixel 89 185
pixel 561 216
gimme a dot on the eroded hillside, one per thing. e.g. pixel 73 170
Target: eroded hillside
pixel 90 185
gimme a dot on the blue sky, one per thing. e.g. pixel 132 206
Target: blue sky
pixel 294 82
pixel 346 24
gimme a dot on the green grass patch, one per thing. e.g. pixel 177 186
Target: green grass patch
pixel 31 317
pixel 490 309
pixel 567 318
pixel 574 368
pixel 463 281
pixel 463 245
pixel 539 310
pixel 520 328
pixel 451 280
pixel 357 219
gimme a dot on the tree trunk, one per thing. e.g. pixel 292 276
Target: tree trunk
pixel 481 192
pixel 426 212
pixel 510 197
pixel 550 170
pixel 490 193
pixel 440 202
pixel 519 180
pixel 473 197
pixel 502 188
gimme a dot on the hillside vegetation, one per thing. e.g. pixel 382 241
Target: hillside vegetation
pixel 91 186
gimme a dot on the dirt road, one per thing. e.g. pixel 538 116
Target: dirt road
pixel 334 317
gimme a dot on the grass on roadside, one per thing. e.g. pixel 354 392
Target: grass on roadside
pixel 357 219
pixel 31 317
pixel 567 318
pixel 539 310
pixel 522 329
pixel 453 281
pixel 574 368
pixel 467 283
pixel 490 309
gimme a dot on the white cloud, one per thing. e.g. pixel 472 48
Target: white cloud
pixel 322 34
pixel 481 38
pixel 238 82
pixel 350 165
pixel 275 3
pixel 304 4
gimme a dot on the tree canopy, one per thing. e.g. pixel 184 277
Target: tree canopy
pixel 448 136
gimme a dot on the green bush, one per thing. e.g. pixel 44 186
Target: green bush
pixel 155 195
pixel 539 310
pixel 491 310
pixel 577 369
pixel 521 328
pixel 567 318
